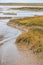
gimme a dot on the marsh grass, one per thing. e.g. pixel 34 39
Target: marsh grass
pixel 33 38
pixel 28 8
pixel 28 21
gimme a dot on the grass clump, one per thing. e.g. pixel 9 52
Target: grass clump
pixel 28 21
pixel 33 38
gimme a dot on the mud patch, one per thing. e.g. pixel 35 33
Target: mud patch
pixel 1 37
pixel 9 13
pixel 5 18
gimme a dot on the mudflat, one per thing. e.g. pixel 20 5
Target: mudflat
pixel 22 4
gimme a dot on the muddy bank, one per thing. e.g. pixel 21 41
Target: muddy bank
pixel 22 4
pixel 28 8
pixel 1 37
pixel 9 13
pixel 27 23
pixel 5 18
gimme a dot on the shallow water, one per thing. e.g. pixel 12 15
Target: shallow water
pixel 11 53
pixel 20 13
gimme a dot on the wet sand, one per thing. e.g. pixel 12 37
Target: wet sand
pixel 8 39
pixel 13 54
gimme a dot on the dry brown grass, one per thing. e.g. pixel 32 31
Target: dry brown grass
pixel 28 21
pixel 33 38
